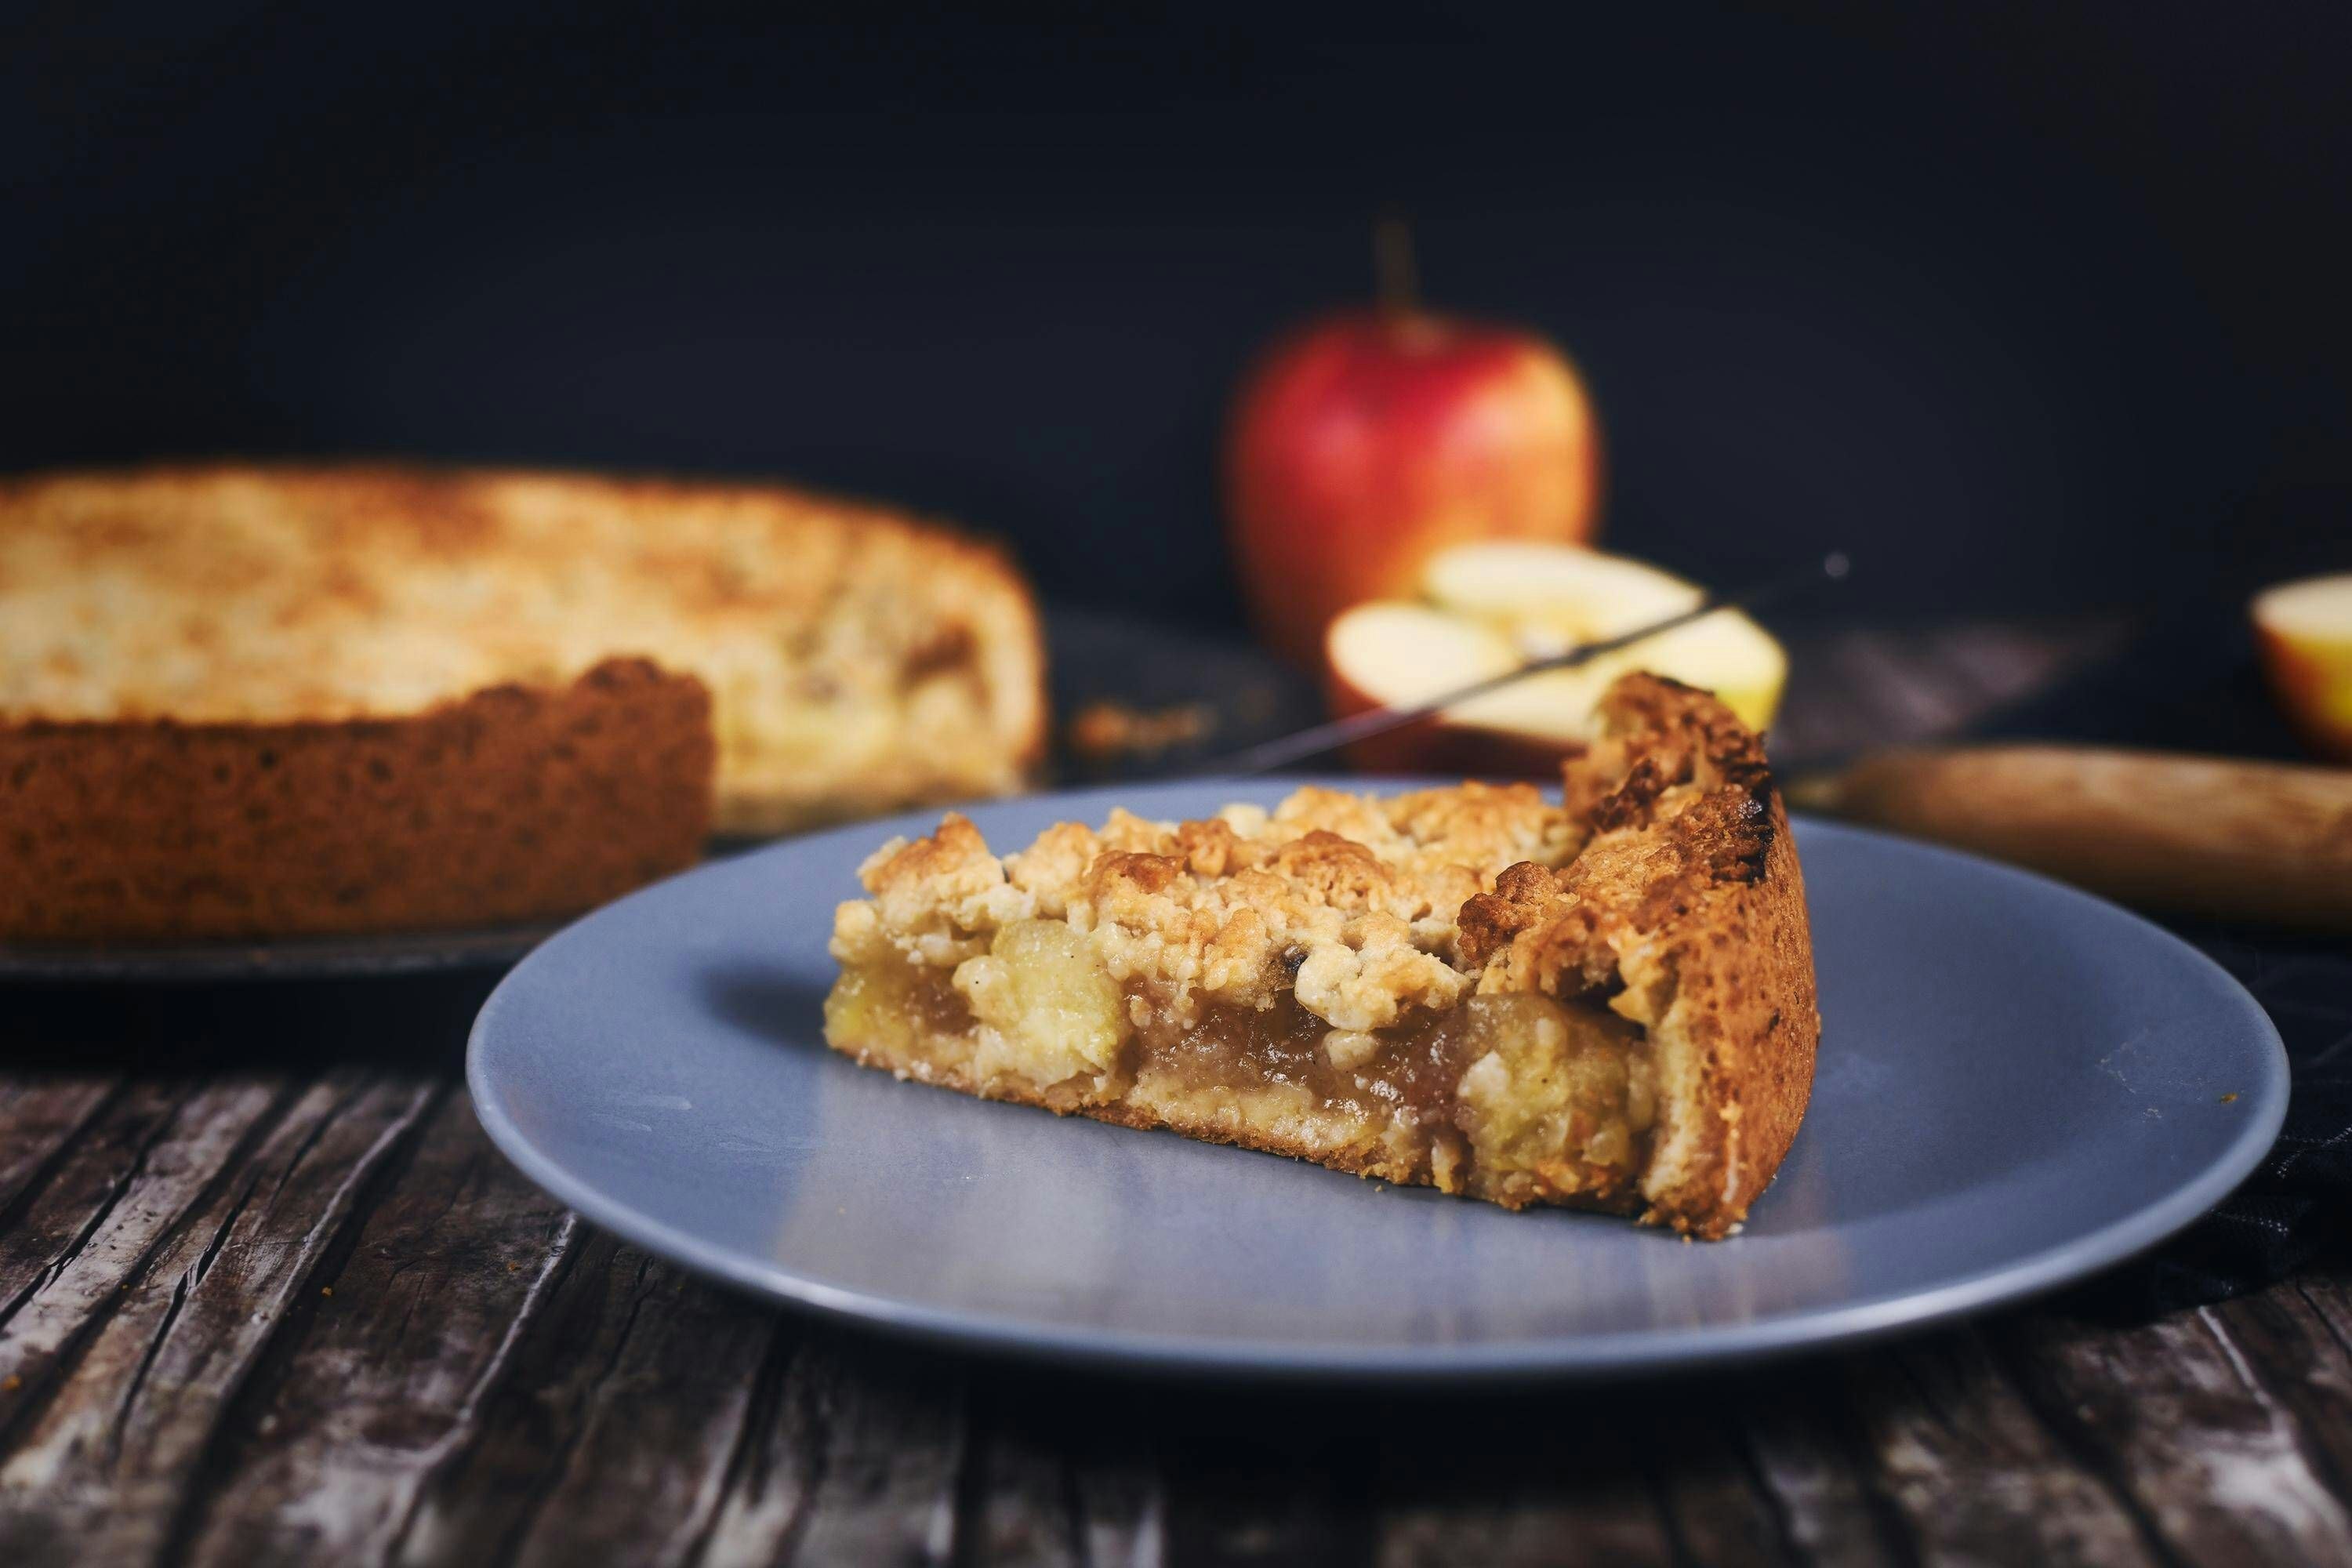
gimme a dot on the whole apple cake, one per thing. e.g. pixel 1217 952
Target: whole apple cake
pixel 1606 1003
pixel 252 701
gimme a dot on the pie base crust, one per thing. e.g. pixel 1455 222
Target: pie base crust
pixel 516 803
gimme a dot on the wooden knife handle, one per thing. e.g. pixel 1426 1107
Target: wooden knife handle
pixel 2238 840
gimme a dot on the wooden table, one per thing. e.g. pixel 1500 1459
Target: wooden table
pixel 266 1295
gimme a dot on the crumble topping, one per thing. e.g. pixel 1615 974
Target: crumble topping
pixel 1367 907
pixel 1351 901
pixel 1689 808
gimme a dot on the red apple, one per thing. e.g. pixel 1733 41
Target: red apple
pixel 1368 441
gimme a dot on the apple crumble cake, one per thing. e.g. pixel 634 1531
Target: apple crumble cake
pixel 1606 1003
pixel 857 661
pixel 255 701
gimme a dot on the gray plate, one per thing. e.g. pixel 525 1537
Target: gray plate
pixel 2018 1084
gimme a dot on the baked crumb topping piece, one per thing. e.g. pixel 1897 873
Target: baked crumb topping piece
pixel 1605 1002
pixel 1351 901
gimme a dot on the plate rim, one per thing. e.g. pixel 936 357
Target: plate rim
pixel 1615 1353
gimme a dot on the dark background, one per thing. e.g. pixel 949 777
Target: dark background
pixel 2033 306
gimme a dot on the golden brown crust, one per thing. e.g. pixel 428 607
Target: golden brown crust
pixel 858 660
pixel 514 804
pixel 1688 904
pixel 1746 1004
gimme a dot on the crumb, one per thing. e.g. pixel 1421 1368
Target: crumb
pixel 1108 728
pixel 513 1268
pixel 12 1383
pixel 326 1289
pixel 2228 1098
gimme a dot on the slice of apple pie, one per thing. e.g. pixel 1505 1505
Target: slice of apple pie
pixel 1606 1003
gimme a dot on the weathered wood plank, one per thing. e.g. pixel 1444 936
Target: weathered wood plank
pixel 1561 1482
pixel 1912 692
pixel 2005 662
pixel 41 1119
pixel 2204 1450
pixel 63 1267
pixel 1026 1515
pixel 111 1453
pixel 1580 1525
pixel 1839 700
pixel 2328 1289
pixel 1717 1508
pixel 1118 1500
pixel 1975 1476
pixel 1806 1447
pixel 2325 1402
pixel 886 1430
pixel 631 1371
pixel 397 1353
pixel 81 1183
pixel 772 1469
pixel 2296 1341
pixel 1243 1478
pixel 1063 1471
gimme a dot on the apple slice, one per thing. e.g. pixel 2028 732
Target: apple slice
pixel 2305 633
pixel 1493 606
pixel 1393 654
pixel 1549 597
pixel 1553 596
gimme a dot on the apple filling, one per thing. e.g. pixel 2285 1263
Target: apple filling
pixel 1517 1097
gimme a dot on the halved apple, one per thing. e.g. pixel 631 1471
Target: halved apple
pixel 1490 608
pixel 2305 632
